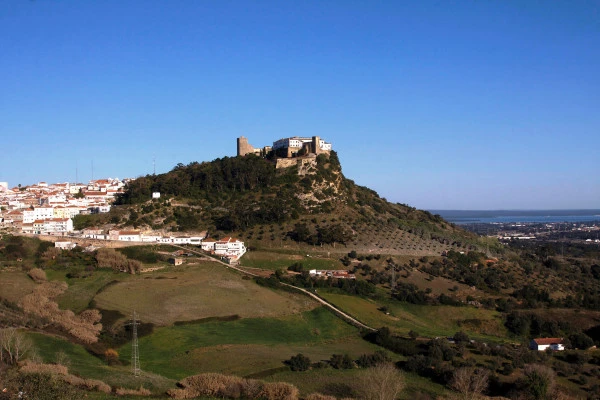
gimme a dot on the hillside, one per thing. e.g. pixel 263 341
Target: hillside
pixel 308 201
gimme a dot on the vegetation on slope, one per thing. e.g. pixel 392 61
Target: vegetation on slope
pixel 312 204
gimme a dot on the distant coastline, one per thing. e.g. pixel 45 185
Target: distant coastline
pixel 508 216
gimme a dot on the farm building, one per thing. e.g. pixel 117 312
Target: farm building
pixel 542 344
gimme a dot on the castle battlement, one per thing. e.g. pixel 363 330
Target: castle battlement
pixel 286 147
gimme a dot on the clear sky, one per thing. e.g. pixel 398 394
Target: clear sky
pixel 436 104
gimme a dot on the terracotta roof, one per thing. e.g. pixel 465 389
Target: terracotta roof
pixel 122 233
pixel 546 341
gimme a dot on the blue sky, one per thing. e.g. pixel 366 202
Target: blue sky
pixel 437 104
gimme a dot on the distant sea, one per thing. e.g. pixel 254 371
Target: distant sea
pixel 507 216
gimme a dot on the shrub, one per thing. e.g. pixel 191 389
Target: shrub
pixel 299 362
pixel 133 392
pixel 319 396
pixel 383 382
pixel 279 391
pixel 38 275
pixel 219 385
pixel 111 356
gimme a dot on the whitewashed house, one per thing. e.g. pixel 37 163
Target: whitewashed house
pixel 208 245
pixel 65 244
pixel 130 236
pixel 58 225
pixel 542 344
pixel 230 247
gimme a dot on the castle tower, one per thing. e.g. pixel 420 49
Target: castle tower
pixel 316 145
pixel 243 147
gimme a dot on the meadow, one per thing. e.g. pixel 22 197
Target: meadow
pixel 430 321
pixel 186 293
pixel 246 346
pixel 280 259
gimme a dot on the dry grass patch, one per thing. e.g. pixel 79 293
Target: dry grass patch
pixel 232 387
pixel 15 285
pixel 85 326
pixel 195 292
pixel 62 373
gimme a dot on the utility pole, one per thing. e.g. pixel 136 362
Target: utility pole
pixel 135 354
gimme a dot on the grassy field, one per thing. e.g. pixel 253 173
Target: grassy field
pixel 343 383
pixel 428 321
pixel 273 260
pixel 246 346
pixel 14 285
pixel 193 292
pixel 82 363
pixel 81 291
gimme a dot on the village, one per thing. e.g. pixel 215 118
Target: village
pixel 49 209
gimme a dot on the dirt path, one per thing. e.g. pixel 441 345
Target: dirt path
pixel 351 320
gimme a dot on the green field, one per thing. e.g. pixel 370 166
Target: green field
pixel 246 346
pixel 81 291
pixel 82 363
pixel 343 383
pixel 430 321
pixel 273 260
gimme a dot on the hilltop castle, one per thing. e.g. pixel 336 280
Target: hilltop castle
pixel 286 148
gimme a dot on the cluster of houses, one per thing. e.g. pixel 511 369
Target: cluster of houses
pixel 230 249
pixel 49 208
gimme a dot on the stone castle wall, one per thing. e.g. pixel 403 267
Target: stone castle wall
pixel 243 147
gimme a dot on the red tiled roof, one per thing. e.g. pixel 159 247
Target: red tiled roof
pixel 546 341
pixel 121 233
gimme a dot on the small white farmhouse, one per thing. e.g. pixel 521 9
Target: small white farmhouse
pixel 542 344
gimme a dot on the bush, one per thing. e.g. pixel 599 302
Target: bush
pixel 133 392
pixel 372 360
pixel 38 275
pixel 339 361
pixel 299 362
pixel 218 385
pixel 279 391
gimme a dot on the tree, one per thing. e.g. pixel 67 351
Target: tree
pixel 470 383
pixel 13 345
pixel 339 361
pixel 539 381
pixel 382 382
pixel 581 341
pixel 299 362
pixel 111 356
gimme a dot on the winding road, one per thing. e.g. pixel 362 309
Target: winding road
pixel 351 320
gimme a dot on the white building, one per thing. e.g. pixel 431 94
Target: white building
pixel 58 225
pixel 65 244
pixel 208 245
pixel 229 247
pixel 48 226
pixel 298 142
pixel 129 236
pixel 542 344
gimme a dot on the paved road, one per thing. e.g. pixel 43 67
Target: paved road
pixel 337 311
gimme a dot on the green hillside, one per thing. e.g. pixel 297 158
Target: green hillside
pixel 309 203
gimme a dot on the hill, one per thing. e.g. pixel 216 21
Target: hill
pixel 306 200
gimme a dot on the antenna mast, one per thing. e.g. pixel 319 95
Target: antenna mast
pixel 135 354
